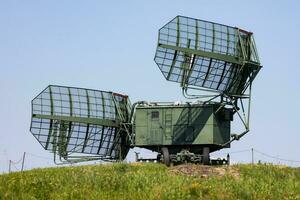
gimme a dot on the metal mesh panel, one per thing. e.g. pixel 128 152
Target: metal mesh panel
pixel 200 35
pixel 205 72
pixel 76 120
pixel 77 102
pixel 204 54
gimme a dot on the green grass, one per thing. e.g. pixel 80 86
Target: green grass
pixel 149 181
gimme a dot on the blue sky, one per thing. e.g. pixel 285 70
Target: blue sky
pixel 110 45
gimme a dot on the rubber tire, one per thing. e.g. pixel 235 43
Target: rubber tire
pixel 166 156
pixel 205 154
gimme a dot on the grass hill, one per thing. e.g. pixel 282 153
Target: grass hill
pixel 153 181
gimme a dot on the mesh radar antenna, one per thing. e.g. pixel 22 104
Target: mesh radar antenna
pixel 220 60
pixel 69 121
pixel 214 64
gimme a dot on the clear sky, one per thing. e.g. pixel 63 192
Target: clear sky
pixel 110 45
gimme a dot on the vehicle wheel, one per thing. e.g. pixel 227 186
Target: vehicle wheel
pixel 166 156
pixel 205 154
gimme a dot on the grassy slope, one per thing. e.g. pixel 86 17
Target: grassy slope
pixel 149 181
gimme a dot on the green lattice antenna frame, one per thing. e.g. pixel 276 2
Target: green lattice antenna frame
pixel 207 55
pixel 82 124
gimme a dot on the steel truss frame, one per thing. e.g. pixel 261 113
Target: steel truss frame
pixel 56 115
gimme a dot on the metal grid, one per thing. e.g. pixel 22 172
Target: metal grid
pixel 200 35
pixel 59 120
pixel 203 54
pixel 206 72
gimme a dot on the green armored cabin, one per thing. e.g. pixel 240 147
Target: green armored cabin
pixel 183 125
